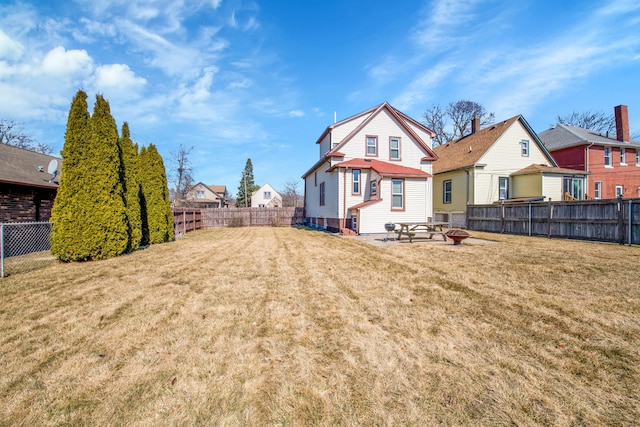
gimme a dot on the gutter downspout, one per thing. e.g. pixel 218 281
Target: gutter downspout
pixel 467 172
pixel 344 201
pixel 586 168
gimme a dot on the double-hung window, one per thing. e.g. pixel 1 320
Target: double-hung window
pixel 322 194
pixel 619 191
pixel 607 156
pixel 637 157
pixel 200 194
pixel 372 145
pixel 598 191
pixel 394 148
pixel 397 194
pixel 524 148
pixel 503 188
pixel 267 195
pixel 446 191
pixel 623 156
pixel 356 181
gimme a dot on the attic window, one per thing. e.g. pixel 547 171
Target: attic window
pixel 524 148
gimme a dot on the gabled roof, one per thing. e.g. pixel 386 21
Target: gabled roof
pixel 401 118
pixel 545 169
pixel 564 136
pixel 366 117
pixel 21 167
pixel 382 168
pixel 465 152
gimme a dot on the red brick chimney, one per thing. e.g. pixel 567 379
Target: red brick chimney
pixel 475 124
pixel 622 123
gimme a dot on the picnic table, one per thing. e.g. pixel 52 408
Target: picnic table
pixel 428 229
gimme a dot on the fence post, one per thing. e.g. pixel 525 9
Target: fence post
pixel 620 229
pixel 549 218
pixel 502 217
pixel 630 220
pixel 529 219
pixel 2 249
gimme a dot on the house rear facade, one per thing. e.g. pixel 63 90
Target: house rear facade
pixel 373 168
pixel 613 162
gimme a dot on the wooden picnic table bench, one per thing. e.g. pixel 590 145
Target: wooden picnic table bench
pixel 429 229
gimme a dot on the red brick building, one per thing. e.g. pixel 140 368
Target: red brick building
pixel 27 190
pixel 613 162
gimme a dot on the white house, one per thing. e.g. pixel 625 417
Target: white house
pixel 266 197
pixel 374 167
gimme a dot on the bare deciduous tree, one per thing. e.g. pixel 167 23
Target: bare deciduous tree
pixel 291 195
pixel 595 121
pixel 12 134
pixel 460 113
pixel 181 172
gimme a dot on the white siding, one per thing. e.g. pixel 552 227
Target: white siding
pixel 384 126
pixel 504 158
pixel 417 206
pixel 552 187
pixel 325 144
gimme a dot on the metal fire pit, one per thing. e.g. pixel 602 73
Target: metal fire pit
pixel 457 236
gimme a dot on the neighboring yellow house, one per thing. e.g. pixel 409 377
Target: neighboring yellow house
pixel 505 161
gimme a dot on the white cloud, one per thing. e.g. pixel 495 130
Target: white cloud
pixel 296 113
pixel 118 77
pixel 419 90
pixel 9 49
pixel 61 62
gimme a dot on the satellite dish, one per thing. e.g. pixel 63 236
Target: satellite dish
pixel 53 167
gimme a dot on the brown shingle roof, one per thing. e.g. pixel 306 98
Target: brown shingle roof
pixel 535 168
pixel 20 166
pixel 466 151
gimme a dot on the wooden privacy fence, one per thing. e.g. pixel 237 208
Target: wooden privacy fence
pixel 244 217
pixel 189 219
pixel 611 220
pixel 185 220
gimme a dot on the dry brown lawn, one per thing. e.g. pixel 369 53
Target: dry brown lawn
pixel 281 326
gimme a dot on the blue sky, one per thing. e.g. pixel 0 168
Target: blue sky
pixel 262 79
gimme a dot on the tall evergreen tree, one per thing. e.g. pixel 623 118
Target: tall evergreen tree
pixel 247 186
pixel 155 189
pixel 70 209
pixel 131 184
pixel 106 228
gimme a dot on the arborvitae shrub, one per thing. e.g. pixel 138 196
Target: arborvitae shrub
pixel 155 190
pixel 131 184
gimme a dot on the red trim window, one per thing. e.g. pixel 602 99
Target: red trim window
pixel 397 194
pixel 394 148
pixel 322 194
pixel 356 181
pixel 372 145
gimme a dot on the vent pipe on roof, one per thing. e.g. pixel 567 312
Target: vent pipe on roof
pixel 334 117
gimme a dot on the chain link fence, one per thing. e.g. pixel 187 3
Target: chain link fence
pixel 24 246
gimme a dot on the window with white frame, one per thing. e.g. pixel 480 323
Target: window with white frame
pixel 397 194
pixel 598 190
pixel 524 148
pixel 637 157
pixel 200 194
pixel 619 191
pixel 372 145
pixel 607 156
pixel 267 195
pixel 503 188
pixel 356 181
pixel 374 188
pixel 394 148
pixel 446 191
pixel 623 156
pixel 322 194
